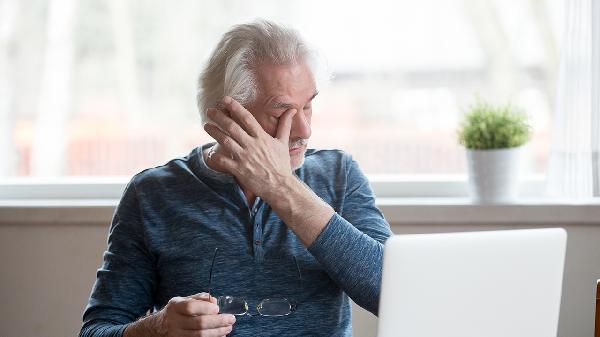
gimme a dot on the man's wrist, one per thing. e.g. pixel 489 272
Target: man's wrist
pixel 300 208
pixel 280 194
pixel 148 326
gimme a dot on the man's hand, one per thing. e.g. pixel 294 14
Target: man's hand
pixel 185 317
pixel 260 162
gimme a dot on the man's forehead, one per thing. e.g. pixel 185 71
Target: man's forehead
pixel 272 76
pixel 285 84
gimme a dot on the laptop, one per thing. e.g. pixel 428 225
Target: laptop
pixel 473 284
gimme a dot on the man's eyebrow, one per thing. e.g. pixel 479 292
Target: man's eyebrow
pixel 281 105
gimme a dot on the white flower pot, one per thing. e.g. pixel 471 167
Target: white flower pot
pixel 494 174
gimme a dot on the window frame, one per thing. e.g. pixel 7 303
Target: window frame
pixel 404 201
pixel 111 187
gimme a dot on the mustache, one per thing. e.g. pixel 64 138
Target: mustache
pixel 298 143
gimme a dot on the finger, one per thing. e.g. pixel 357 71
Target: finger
pixel 191 307
pixel 242 116
pixel 222 138
pixel 226 162
pixel 285 125
pixel 204 297
pixel 203 322
pixel 228 125
pixel 219 332
pixel 200 333
pixel 200 296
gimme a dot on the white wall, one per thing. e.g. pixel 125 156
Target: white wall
pixel 48 270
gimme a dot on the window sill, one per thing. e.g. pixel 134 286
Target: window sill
pixel 398 211
pixel 527 211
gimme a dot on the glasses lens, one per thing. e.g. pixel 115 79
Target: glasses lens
pixel 274 307
pixel 232 305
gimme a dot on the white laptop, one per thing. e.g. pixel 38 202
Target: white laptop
pixel 475 284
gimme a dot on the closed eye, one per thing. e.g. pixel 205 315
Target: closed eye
pixel 276 115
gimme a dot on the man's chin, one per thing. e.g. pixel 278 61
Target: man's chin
pixel 297 165
pixel 297 161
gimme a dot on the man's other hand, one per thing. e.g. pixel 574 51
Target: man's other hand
pixel 194 315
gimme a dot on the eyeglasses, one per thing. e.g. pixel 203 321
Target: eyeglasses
pixel 275 306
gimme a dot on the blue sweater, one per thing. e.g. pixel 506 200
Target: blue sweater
pixel 171 218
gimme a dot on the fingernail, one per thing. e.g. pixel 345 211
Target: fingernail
pixel 231 319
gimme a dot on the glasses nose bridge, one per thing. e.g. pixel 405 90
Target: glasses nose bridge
pixel 253 311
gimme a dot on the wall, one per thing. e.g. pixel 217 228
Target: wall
pixel 48 269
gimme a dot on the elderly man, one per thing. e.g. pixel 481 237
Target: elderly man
pixel 254 235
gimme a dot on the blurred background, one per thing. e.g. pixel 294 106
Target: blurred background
pixel 92 92
pixel 107 88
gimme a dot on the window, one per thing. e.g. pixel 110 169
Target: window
pixel 104 88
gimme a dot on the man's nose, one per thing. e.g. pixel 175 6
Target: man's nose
pixel 300 126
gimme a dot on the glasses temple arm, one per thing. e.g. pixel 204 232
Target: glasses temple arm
pixel 294 305
pixel 212 264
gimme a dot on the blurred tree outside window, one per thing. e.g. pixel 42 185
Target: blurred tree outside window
pixel 103 88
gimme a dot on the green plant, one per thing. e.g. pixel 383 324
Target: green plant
pixel 487 127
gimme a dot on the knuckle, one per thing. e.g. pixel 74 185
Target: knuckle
pixel 188 307
pixel 202 322
pixel 175 299
pixel 231 128
pixel 173 302
pixel 247 119
pixel 219 160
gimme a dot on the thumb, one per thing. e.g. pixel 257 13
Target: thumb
pixel 201 296
pixel 285 125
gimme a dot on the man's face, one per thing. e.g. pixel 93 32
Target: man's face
pixel 280 88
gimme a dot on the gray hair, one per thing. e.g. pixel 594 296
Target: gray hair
pixel 230 69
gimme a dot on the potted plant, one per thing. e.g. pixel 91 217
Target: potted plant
pixel 494 137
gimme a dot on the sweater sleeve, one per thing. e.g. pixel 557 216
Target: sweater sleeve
pixel 126 281
pixel 350 247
